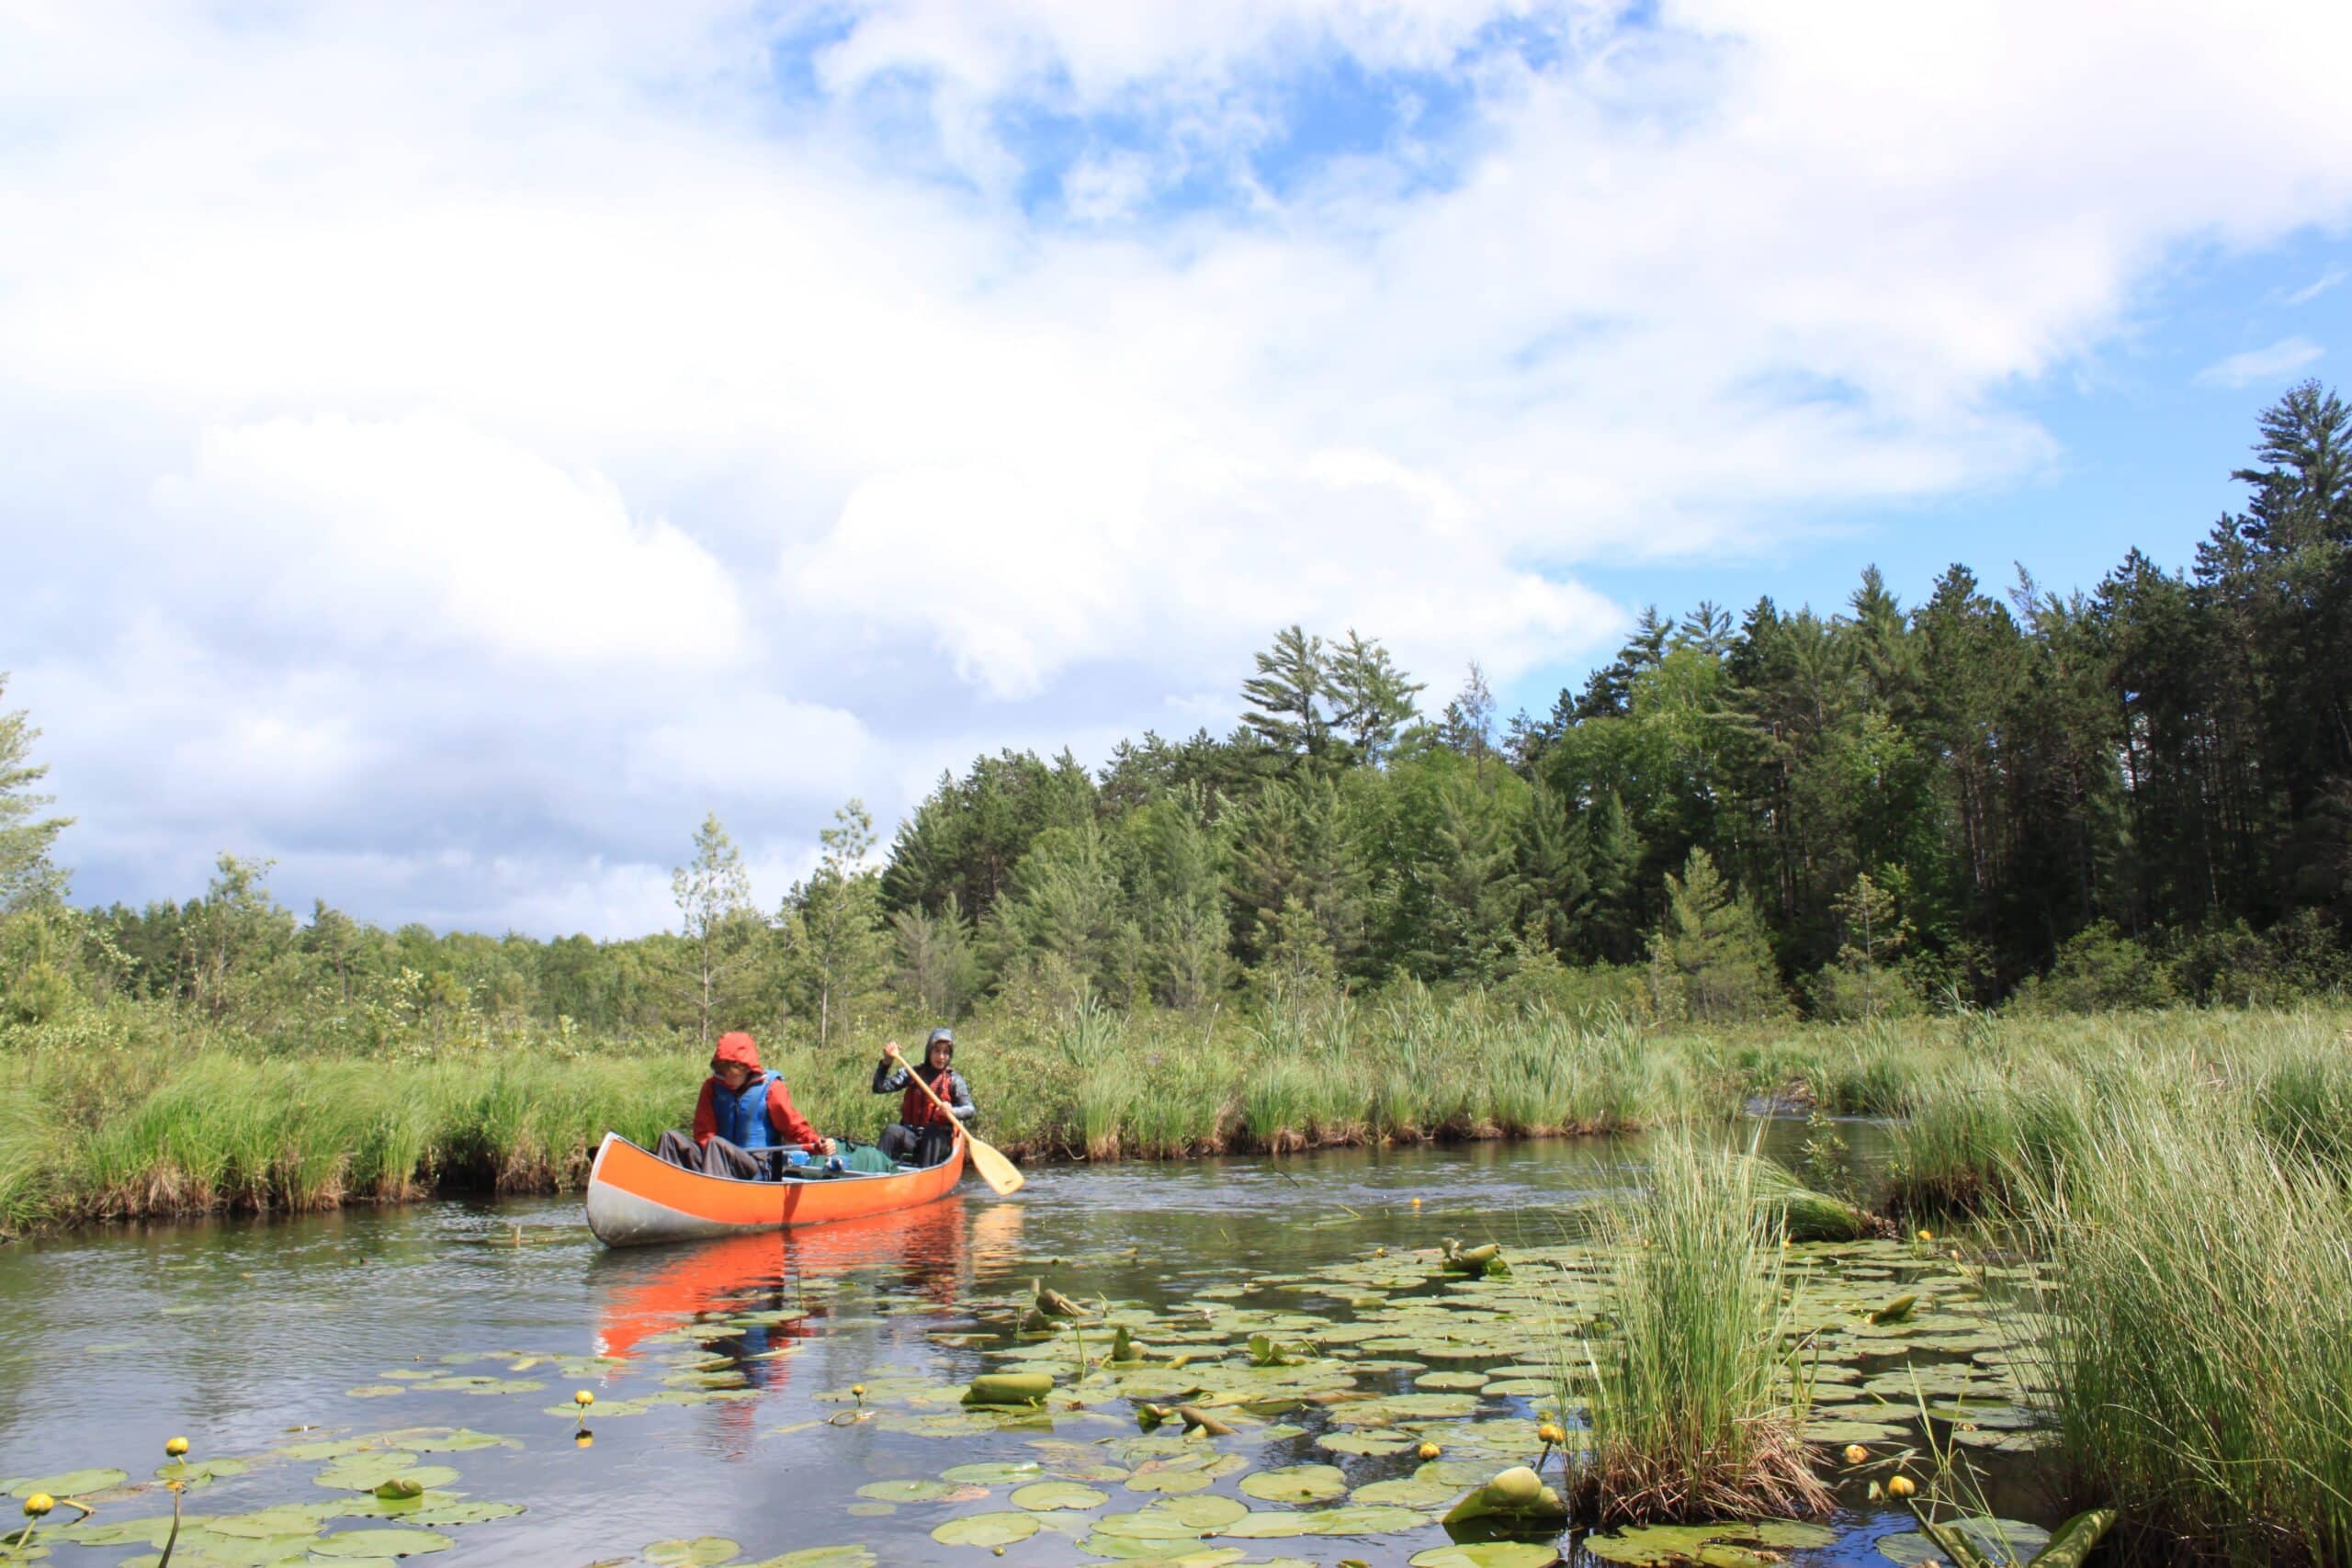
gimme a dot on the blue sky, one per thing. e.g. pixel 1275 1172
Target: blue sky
pixel 448 456
pixel 2145 432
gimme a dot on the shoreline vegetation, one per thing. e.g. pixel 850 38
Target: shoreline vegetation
pixel 2176 1184
pixel 135 1113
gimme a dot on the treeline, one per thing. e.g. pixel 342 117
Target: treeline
pixel 2120 797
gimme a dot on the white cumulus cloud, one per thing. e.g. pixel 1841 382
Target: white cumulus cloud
pixel 2270 363
pixel 524 430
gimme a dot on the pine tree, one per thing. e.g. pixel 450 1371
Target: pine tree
pixel 27 875
pixel 1865 983
pixel 1469 723
pixel 938 970
pixel 1709 955
pixel 716 918
pixel 837 955
pixel 1188 923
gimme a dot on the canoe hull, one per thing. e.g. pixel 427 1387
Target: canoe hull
pixel 635 1199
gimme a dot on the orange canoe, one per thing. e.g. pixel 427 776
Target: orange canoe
pixel 635 1198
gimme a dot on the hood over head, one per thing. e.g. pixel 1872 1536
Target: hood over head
pixel 737 1047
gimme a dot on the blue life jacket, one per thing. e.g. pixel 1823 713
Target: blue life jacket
pixel 743 1116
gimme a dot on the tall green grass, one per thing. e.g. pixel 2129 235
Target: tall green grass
pixel 2198 1354
pixel 136 1109
pixel 1689 1420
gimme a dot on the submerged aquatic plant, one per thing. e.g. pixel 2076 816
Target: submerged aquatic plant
pixel 1689 1420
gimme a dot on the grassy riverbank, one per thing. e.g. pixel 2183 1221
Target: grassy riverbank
pixel 134 1111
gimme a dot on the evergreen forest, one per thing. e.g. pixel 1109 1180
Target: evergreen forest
pixel 2124 796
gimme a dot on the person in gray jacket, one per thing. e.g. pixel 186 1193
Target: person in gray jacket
pixel 922 1134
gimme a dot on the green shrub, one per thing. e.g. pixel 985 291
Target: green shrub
pixel 2097 970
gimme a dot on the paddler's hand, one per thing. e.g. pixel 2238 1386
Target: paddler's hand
pixel 827 1146
pixel 891 1051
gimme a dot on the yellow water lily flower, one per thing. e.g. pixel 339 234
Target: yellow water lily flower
pixel 175 1446
pixel 583 1399
pixel 1430 1450
pixel 38 1504
pixel 1856 1453
pixel 1901 1485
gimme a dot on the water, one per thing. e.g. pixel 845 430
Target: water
pixel 242 1333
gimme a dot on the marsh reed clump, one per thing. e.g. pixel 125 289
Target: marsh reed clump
pixel 1689 1419
pixel 2197 1348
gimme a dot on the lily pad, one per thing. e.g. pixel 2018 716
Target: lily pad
pixel 915 1491
pixel 985 1529
pixel 70 1484
pixel 364 1472
pixel 1651 1546
pixel 200 1471
pixel 1297 1483
pixel 446 1439
pixel 1048 1496
pixel 1367 1518
pixel 823 1557
pixel 381 1545
pixel 462 1511
pixel 1486 1554
pixel 697 1552
pixel 1407 1492
pixel 993 1475
pixel 2004 1541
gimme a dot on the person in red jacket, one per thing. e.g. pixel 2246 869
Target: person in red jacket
pixel 744 1111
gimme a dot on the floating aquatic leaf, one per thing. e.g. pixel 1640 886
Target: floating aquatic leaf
pixel 366 1471
pixel 72 1483
pixel 197 1472
pixel 985 1529
pixel 448 1439
pixel 1045 1496
pixel 149 1532
pixel 1407 1492
pixel 284 1520
pixel 1450 1379
pixel 1652 1546
pixel 821 1557
pixel 303 1453
pixel 1517 1493
pixel 919 1491
pixel 375 1391
pixel 462 1511
pixel 2004 1541
pixel 1370 1518
pixel 1838 1433
pixel 1366 1442
pixel 993 1473
pixel 1297 1483
pixel 697 1551
pixel 1486 1554
pixel 382 1544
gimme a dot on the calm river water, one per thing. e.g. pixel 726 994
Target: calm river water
pixel 240 1333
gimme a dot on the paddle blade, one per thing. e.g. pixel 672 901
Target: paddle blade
pixel 995 1169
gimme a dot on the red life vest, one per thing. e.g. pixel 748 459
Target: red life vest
pixel 915 1108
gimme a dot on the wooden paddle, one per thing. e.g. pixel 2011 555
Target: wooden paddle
pixel 995 1169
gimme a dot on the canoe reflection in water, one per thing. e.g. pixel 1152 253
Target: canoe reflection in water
pixel 930 1251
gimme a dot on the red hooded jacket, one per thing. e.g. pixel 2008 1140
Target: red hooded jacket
pixel 791 1127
